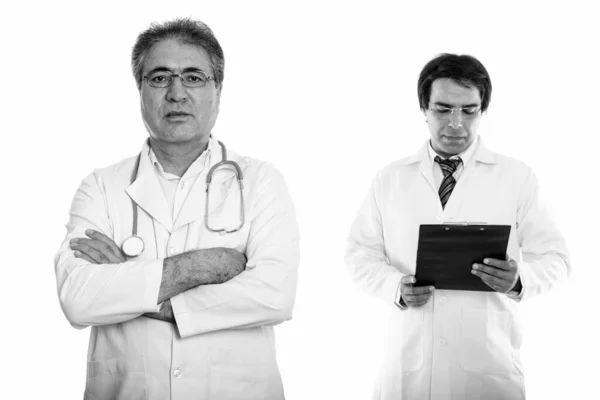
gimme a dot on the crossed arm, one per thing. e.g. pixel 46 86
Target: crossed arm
pixel 206 288
pixel 180 273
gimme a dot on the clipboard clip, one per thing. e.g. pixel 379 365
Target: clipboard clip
pixel 463 223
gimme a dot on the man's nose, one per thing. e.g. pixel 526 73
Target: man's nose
pixel 176 91
pixel 455 119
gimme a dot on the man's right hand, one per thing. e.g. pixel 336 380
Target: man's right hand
pixel 414 296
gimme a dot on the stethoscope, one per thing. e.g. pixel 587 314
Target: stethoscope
pixel 133 246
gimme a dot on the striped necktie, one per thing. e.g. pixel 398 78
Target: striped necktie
pixel 448 167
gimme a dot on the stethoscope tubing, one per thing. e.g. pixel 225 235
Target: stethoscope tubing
pixel 224 161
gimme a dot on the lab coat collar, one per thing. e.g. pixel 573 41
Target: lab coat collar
pixel 147 192
pixel 421 157
pixel 484 155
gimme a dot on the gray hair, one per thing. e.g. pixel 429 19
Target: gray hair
pixel 185 30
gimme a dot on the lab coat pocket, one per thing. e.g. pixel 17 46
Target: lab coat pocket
pixel 412 341
pixel 245 369
pixel 116 379
pixel 226 216
pixel 225 207
pixel 487 342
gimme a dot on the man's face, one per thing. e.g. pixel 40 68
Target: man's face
pixel 179 114
pixel 454 135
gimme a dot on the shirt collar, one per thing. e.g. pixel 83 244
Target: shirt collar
pixel 197 166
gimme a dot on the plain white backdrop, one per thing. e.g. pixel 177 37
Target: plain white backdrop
pixel 327 92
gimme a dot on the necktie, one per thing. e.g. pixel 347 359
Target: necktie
pixel 447 186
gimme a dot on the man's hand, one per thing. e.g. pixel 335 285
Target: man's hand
pixel 502 276
pixel 98 249
pixel 165 313
pixel 414 296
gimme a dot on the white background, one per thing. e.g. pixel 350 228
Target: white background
pixel 327 92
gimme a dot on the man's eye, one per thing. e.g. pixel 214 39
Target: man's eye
pixel 194 78
pixel 443 110
pixel 159 78
pixel 470 110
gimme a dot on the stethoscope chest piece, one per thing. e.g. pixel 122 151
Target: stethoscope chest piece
pixel 133 246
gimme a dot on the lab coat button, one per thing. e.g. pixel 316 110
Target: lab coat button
pixel 173 250
pixel 177 373
pixel 443 300
pixel 442 341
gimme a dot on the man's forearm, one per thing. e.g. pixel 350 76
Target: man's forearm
pixel 199 267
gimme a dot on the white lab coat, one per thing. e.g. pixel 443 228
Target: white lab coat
pixel 460 345
pixel 223 346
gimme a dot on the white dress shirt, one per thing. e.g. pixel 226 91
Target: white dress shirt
pixel 175 188
pixel 465 156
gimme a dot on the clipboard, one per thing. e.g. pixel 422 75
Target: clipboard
pixel 447 252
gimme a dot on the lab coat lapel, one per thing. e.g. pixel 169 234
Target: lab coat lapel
pixel 147 193
pixel 193 209
pixel 425 168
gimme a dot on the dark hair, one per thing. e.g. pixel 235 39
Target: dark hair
pixel 185 30
pixel 463 69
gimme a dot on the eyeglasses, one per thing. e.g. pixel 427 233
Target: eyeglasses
pixel 191 79
pixel 443 112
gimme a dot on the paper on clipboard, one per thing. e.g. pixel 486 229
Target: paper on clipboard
pixel 447 252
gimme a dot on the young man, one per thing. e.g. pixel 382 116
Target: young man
pixel 451 344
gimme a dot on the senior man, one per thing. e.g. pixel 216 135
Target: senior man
pixel 182 285
pixel 453 344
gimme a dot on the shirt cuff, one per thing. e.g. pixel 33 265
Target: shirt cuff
pixel 155 270
pixel 518 293
pixel 390 286
pixel 398 300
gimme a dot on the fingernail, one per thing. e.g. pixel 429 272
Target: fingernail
pixel 475 266
pixel 413 280
pixel 486 261
pixel 77 253
pixel 73 240
pixel 88 231
pixel 431 288
pixel 473 272
pixel 512 293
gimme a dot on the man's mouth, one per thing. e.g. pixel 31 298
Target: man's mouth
pixel 453 137
pixel 175 114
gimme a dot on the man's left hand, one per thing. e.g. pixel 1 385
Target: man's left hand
pixel 500 275
pixel 98 249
